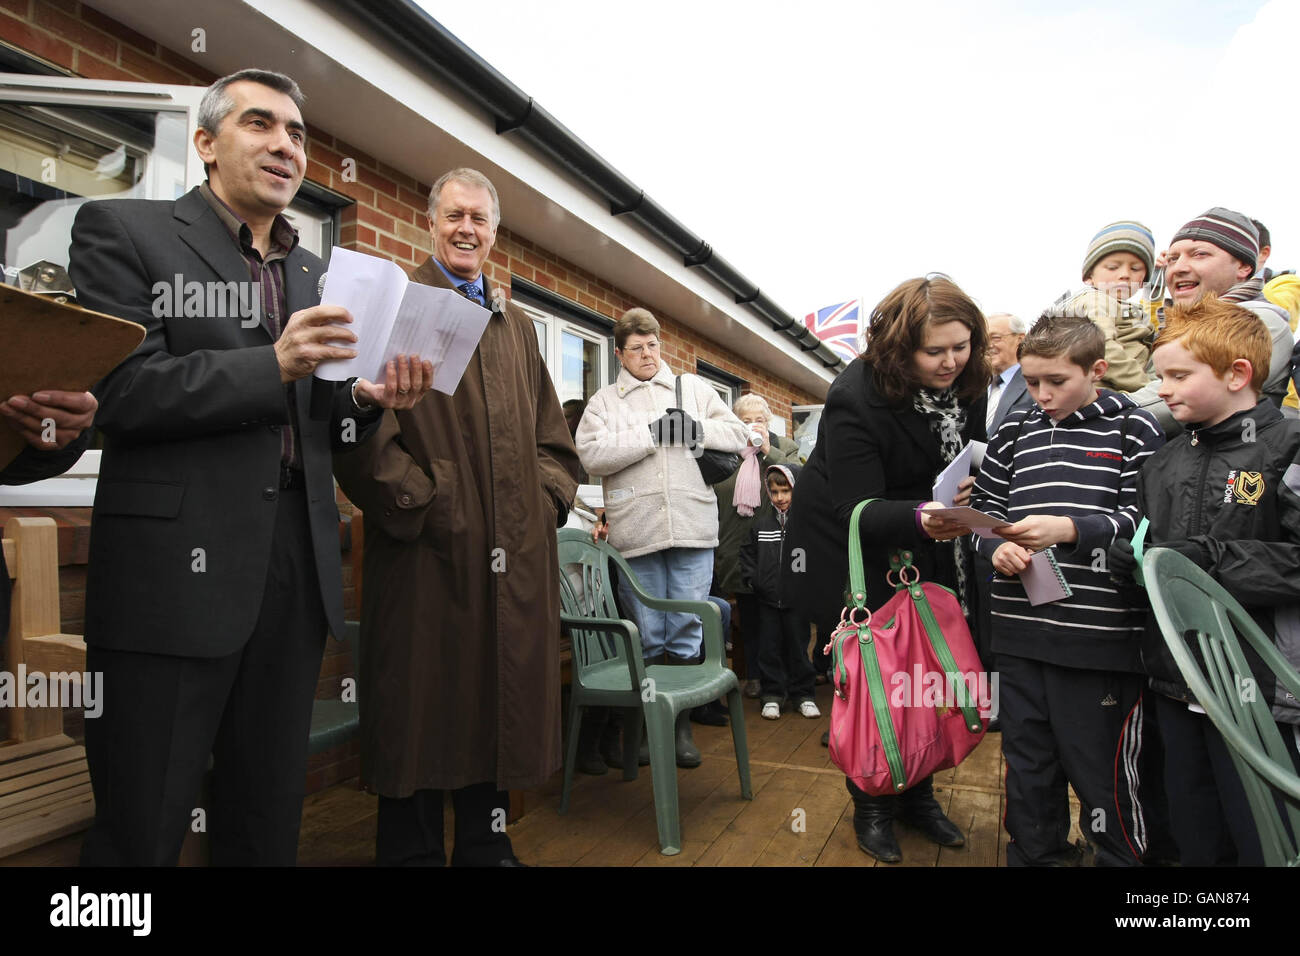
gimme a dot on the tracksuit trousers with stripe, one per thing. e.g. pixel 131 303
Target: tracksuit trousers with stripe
pixel 1065 725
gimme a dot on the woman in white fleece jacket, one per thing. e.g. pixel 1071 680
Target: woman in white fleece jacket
pixel 662 516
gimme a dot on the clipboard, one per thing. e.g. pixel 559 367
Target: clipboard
pixel 48 343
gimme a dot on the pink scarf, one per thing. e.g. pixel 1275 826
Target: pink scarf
pixel 749 485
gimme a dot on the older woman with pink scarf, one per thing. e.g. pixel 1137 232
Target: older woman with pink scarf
pixel 740 500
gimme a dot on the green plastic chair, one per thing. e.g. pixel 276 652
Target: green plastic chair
pixel 1192 607
pixel 335 721
pixel 608 671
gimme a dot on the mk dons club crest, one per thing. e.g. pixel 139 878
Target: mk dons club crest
pixel 1248 488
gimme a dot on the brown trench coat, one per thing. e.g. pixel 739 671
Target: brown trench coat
pixel 459 679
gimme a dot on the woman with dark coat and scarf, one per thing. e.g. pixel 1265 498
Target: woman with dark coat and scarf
pixel 894 419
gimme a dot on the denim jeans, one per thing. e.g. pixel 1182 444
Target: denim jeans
pixel 724 609
pixel 680 574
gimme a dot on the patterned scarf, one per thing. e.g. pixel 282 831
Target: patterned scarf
pixel 946 418
pixel 1252 288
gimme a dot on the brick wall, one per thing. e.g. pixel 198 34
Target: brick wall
pixel 388 219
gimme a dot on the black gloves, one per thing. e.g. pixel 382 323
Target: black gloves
pixel 674 427
pixel 1122 562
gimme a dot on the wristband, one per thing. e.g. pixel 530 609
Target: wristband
pixel 920 526
pixel 360 407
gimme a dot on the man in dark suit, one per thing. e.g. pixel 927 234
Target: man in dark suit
pixel 1007 391
pixel 214 560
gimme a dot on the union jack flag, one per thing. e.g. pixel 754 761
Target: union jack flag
pixel 837 326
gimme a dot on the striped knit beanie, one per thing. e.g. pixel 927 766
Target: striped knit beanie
pixel 1230 231
pixel 1124 236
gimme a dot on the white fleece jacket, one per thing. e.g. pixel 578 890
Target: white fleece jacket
pixel 654 497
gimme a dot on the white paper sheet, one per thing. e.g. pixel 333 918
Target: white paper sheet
pixel 371 289
pixel 393 316
pixel 946 485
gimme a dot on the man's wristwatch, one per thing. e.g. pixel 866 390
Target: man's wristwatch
pixel 360 406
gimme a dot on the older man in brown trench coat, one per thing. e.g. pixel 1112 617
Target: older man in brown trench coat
pixel 459 672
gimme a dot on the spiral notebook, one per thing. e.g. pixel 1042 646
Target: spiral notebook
pixel 1043 580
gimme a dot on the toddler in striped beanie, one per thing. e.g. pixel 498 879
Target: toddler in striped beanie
pixel 1119 260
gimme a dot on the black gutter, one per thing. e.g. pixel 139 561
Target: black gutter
pixel 408 27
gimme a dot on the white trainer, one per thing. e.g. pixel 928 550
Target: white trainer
pixel 771 710
pixel 809 709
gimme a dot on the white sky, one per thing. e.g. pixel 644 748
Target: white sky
pixel 833 148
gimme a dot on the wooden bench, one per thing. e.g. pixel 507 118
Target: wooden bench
pixel 45 788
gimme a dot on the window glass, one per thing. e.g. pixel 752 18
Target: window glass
pixel 577 357
pixel 53 158
pixel 579 367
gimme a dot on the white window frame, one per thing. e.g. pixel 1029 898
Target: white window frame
pixel 77 488
pixel 552 354
pixel 725 392
pixel 112 94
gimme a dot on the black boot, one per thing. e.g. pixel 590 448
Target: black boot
pixel 589 760
pixel 688 755
pixel 919 808
pixel 712 714
pixel 873 822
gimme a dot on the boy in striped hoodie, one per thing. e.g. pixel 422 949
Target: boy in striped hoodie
pixel 1070 678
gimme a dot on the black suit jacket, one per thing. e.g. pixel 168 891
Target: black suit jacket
pixel 866 448
pixel 189 478
pixel 1015 395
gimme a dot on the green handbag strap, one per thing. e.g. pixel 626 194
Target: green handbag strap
pixel 867 653
pixel 857 577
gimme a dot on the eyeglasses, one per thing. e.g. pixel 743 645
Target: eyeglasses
pixel 995 339
pixel 636 350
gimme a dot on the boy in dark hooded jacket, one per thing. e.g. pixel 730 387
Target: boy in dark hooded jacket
pixel 783 664
pixel 1226 494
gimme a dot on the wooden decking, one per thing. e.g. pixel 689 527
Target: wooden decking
pixel 801 814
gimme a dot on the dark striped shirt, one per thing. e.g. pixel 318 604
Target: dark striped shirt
pixel 267 272
pixel 1084 468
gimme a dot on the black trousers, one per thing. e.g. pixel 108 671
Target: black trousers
pixel 1208 810
pixel 983 630
pixel 825 628
pixel 1063 725
pixel 783 663
pixel 747 608
pixel 250 711
pixel 411 829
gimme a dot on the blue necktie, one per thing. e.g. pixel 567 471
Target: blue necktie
pixel 471 291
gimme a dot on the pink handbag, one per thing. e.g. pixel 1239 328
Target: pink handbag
pixel 906 686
